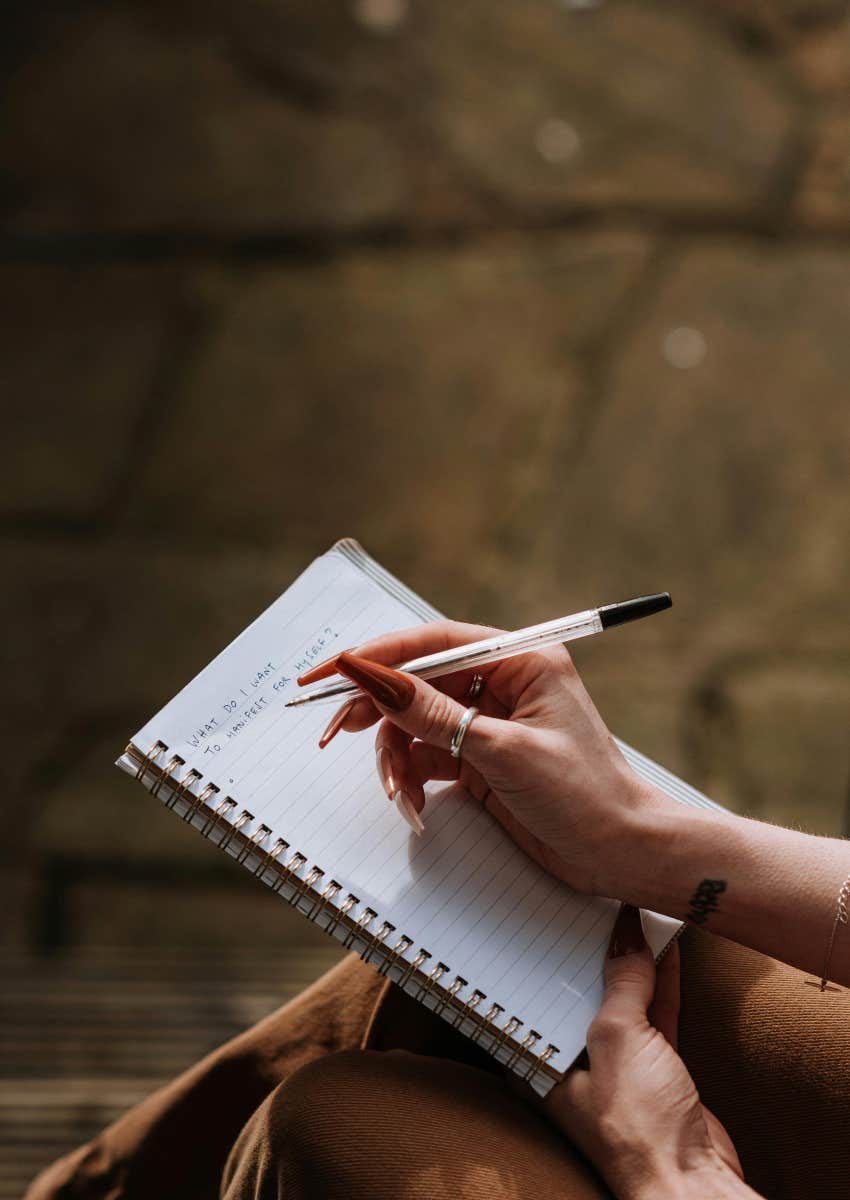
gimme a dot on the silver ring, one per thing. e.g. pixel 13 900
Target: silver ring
pixel 460 733
pixel 475 688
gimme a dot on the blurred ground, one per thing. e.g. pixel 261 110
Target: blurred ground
pixel 546 303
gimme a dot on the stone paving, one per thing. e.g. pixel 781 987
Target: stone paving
pixel 546 303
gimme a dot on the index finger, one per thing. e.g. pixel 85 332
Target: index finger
pixel 404 644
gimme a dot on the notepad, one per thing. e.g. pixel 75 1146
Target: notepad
pixel 460 918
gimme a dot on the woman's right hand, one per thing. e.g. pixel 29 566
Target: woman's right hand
pixel 541 760
pixel 538 756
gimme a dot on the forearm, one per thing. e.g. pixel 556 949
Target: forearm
pixel 769 888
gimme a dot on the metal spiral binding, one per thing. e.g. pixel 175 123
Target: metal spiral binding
pixel 412 967
pixel 450 993
pixel 469 1007
pixel 431 982
pixel 508 1031
pixel 360 926
pixel 306 885
pixel 271 857
pixel 289 872
pixel 342 912
pixel 218 814
pixel 165 773
pixel 378 939
pixel 528 1043
pixel 199 802
pixel 253 842
pixel 483 1024
pixel 356 930
pixel 327 897
pixel 396 955
pixel 184 788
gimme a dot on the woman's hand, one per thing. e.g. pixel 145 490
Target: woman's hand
pixel 538 756
pixel 540 759
pixel 635 1113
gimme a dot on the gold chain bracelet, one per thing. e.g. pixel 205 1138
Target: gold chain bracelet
pixel 840 918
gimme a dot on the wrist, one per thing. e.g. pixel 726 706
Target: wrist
pixel 713 1180
pixel 672 847
pixel 763 886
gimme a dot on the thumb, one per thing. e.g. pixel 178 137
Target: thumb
pixel 629 969
pixel 423 711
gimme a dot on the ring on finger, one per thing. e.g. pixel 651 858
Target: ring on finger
pixel 459 734
pixel 475 688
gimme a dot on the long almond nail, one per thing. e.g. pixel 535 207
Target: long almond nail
pixel 321 670
pixel 405 806
pixel 336 722
pixel 385 770
pixel 391 689
pixel 627 936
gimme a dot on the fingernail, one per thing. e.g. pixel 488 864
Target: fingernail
pixel 325 667
pixel 335 723
pixel 385 770
pixel 405 806
pixel 627 935
pixel 389 688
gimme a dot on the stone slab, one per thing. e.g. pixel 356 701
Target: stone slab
pixel 420 401
pixel 128 118
pixel 776 742
pixel 82 349
pixel 629 105
pixel 820 58
pixel 253 119
pixel 823 198
pixel 105 635
pixel 717 469
pixel 718 462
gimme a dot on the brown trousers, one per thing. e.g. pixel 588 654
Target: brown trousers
pixel 352 1091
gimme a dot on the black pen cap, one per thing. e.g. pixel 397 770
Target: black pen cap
pixel 633 610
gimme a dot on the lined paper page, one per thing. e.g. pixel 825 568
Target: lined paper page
pixel 463 890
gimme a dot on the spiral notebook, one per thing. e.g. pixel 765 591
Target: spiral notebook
pixel 460 917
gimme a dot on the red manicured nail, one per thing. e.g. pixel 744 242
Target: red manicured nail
pixel 627 935
pixel 321 670
pixel 391 689
pixel 335 723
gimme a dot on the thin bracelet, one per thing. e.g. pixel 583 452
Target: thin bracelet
pixel 840 916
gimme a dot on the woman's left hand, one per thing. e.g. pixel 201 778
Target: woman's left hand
pixel 635 1113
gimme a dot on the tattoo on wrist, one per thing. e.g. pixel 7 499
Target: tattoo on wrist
pixel 704 900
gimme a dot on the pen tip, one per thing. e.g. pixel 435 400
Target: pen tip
pixel 633 610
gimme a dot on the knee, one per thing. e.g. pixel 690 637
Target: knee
pixel 392 1123
pixel 305 1111
pixel 292 1144
pixel 364 1090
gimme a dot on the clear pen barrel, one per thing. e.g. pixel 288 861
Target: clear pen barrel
pixel 550 633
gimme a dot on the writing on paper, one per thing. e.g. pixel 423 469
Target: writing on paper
pixel 317 650
pixel 250 698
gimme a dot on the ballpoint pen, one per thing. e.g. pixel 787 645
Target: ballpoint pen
pixel 506 645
